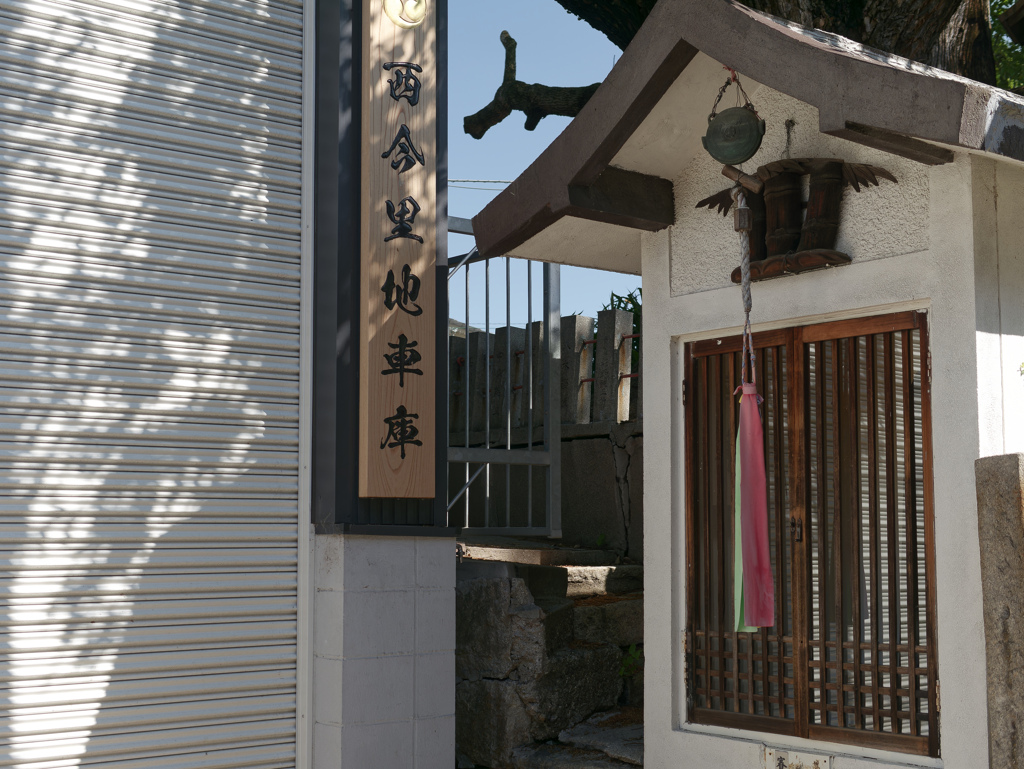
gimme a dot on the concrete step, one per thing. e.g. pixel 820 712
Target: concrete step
pixel 585 581
pixel 615 619
pixel 541 581
pixel 619 734
pixel 537 551
pixel 555 756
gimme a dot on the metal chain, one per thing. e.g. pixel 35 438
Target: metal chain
pixel 733 78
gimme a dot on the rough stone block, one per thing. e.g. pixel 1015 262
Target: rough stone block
pixel 617 620
pixel 591 510
pixel 558 621
pixel 550 756
pixel 544 581
pixel 635 482
pixel 490 722
pixel 617 733
pixel 575 682
pixel 601 580
pixel 1000 488
pixel 483 629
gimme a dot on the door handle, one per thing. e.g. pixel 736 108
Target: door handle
pixel 797 529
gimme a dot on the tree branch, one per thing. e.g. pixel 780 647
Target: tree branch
pixel 537 101
pixel 951 34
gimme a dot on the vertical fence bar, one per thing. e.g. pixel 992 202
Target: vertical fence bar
pixel 552 396
pixel 528 384
pixel 466 392
pixel 487 388
pixel 508 387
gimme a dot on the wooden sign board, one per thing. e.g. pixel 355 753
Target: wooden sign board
pixel 399 250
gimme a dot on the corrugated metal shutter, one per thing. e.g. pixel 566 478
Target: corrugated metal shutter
pixel 149 382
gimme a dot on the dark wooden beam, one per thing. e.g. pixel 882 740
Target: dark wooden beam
pixel 625 198
pixel 894 143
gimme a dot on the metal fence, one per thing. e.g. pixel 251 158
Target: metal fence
pixel 504 439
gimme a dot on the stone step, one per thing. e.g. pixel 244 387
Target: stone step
pixel 585 581
pixel 619 734
pixel 559 581
pixel 551 692
pixel 530 552
pixel 554 756
pixel 615 619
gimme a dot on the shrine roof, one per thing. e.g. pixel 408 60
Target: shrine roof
pixel 607 177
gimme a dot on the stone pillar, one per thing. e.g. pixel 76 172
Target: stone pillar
pixel 577 362
pixel 613 359
pixel 384 652
pixel 1000 486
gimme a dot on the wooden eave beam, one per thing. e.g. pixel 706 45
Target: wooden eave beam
pixel 893 143
pixel 625 198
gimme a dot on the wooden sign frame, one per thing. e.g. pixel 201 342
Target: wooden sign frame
pixel 399 250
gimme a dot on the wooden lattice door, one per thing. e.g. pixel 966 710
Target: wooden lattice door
pixel 846 418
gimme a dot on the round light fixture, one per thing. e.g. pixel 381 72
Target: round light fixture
pixel 406 14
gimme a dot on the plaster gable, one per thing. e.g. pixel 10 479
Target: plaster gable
pixel 878 222
pixel 585 243
pixel 668 139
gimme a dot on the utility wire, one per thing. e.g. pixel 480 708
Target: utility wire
pixel 471 187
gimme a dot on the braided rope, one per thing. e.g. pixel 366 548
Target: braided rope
pixel 748 304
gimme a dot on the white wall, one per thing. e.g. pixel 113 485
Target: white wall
pixel 384 653
pixel 911 250
pixel 999 275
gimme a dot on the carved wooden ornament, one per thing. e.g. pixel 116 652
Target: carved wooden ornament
pixel 782 239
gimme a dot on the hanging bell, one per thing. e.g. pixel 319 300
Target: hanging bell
pixel 734 135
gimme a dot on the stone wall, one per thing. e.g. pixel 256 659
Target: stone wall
pixel 602 487
pixel 1000 485
pixel 522 673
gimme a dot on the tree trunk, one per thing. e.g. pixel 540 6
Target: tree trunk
pixel 618 20
pixel 965 46
pixel 908 28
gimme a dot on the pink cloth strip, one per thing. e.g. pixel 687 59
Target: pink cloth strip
pixel 758 587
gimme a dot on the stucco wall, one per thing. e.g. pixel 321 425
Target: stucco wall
pixel 879 222
pixel 384 652
pixel 913 248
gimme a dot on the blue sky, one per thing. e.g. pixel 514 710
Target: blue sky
pixel 554 48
